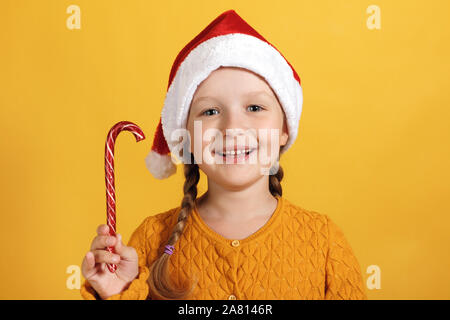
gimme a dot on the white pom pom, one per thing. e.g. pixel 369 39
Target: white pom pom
pixel 160 166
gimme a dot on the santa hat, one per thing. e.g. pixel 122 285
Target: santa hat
pixel 227 41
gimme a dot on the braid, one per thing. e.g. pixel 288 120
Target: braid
pixel 275 182
pixel 159 280
pixel 192 174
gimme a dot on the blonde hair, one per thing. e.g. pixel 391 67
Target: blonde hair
pixel 161 286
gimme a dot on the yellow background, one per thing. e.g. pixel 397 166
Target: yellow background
pixel 372 151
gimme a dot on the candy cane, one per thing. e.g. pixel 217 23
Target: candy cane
pixel 109 176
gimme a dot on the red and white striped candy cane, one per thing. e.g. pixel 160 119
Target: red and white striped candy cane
pixel 109 176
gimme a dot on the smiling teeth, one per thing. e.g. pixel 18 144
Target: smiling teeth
pixel 232 152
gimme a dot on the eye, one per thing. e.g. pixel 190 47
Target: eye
pixel 254 108
pixel 208 112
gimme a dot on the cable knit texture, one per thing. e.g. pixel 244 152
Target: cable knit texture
pixel 297 254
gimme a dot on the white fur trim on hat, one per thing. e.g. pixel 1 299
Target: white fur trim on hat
pixel 234 50
pixel 160 166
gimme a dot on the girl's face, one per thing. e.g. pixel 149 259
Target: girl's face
pixel 235 98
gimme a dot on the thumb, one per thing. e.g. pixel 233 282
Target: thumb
pixel 124 251
pixel 88 265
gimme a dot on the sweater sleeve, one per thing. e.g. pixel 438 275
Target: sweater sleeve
pixel 138 288
pixel 343 273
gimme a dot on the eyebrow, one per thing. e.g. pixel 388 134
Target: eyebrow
pixel 250 94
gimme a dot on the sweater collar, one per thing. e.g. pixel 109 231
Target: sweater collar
pixel 197 219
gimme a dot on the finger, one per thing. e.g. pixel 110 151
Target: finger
pixel 88 265
pixel 102 229
pixel 103 256
pixel 101 242
pixel 124 251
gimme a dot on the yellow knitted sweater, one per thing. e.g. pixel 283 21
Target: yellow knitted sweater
pixel 297 254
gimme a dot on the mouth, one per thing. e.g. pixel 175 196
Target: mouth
pixel 234 155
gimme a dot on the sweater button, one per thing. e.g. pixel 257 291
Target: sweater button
pixel 232 297
pixel 235 243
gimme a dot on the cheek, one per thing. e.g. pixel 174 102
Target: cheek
pixel 271 120
pixel 197 141
pixel 270 126
pixel 269 143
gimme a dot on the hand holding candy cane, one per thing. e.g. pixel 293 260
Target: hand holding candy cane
pixel 94 264
pixel 107 248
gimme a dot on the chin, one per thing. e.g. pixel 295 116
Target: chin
pixel 234 175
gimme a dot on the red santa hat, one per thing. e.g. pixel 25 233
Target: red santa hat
pixel 227 41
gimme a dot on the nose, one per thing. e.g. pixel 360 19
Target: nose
pixel 231 120
pixel 239 128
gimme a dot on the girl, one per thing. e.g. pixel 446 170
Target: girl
pixel 241 239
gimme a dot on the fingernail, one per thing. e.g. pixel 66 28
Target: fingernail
pixel 110 241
